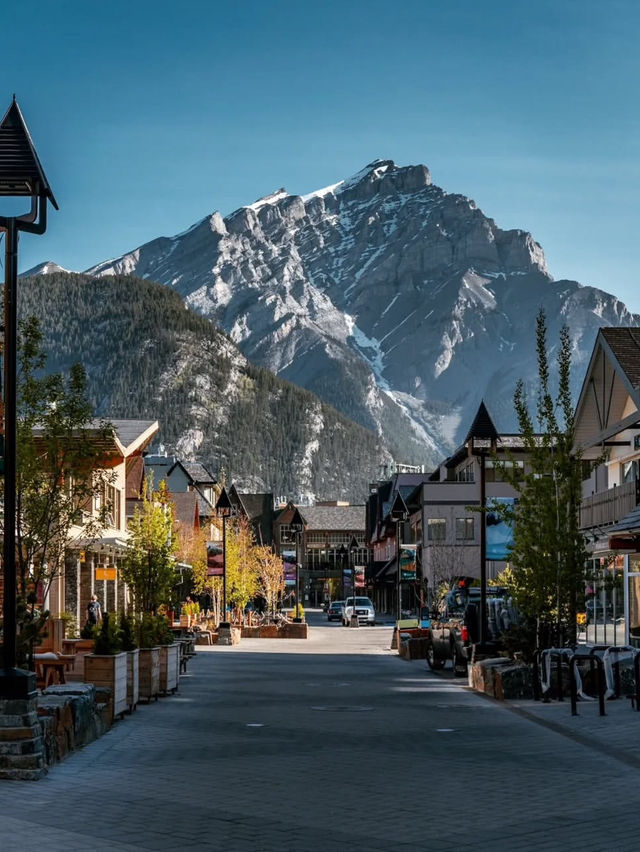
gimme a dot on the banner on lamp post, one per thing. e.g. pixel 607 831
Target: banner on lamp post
pixel 408 563
pixel 215 560
pixel 289 567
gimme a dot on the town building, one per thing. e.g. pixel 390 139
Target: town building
pixel 607 433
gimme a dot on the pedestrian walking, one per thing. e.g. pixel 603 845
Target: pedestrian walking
pixel 94 611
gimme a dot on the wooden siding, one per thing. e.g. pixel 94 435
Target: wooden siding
pixel 149 673
pixel 609 506
pixel 109 671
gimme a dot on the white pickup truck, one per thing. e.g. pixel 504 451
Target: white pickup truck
pixel 364 610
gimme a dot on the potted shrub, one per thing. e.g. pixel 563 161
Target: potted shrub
pixel 148 659
pixel 169 655
pixel 130 646
pixel 107 665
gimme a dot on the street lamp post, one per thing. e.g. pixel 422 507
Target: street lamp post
pixel 483 437
pixel 353 551
pixel 225 509
pixel 399 513
pixel 21 176
pixel 342 553
pixel 296 525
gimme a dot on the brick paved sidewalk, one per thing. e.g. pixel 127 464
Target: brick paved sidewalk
pixel 293 745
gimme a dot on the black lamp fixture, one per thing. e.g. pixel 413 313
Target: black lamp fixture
pixel 296 525
pixel 225 509
pixel 21 176
pixel 400 514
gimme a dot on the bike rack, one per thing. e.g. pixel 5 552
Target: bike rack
pixel 537 691
pixel 636 678
pixel 593 659
pixel 559 654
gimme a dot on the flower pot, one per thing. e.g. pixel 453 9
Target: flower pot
pixel 169 667
pixel 133 679
pixel 109 670
pixel 148 673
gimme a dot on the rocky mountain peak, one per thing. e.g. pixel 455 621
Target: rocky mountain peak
pixel 399 303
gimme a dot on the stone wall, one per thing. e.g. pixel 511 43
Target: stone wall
pixel 71 716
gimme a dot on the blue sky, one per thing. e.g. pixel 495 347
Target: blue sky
pixel 147 116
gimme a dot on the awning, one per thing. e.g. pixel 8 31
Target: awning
pixel 388 572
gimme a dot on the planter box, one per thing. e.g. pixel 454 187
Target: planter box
pixel 169 667
pixel 148 673
pixel 295 630
pixel 133 679
pixel 250 632
pixel 110 671
pixel 269 631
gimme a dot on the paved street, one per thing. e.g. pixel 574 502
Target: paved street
pixel 331 743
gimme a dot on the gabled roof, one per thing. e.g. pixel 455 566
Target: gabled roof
pixel 19 163
pixel 625 345
pixel 198 473
pixel 135 435
pixel 338 518
pixel 609 400
pixel 258 508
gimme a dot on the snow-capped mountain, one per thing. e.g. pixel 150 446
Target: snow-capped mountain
pixel 400 304
pixel 46 268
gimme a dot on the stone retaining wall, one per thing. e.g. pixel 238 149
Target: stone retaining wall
pixel 502 678
pixel 71 716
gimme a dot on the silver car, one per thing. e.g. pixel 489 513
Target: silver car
pixel 364 610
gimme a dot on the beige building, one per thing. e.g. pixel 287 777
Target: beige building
pixel 607 423
pixel 92 566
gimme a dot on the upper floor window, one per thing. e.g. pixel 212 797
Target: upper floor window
pixel 436 529
pixel 495 471
pixel 466 474
pixel 629 471
pixel 287 535
pixel 465 529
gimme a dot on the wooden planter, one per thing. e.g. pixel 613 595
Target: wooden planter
pixel 148 673
pixel 110 671
pixel 169 667
pixel 133 679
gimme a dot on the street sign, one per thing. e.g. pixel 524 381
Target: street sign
pixel 105 573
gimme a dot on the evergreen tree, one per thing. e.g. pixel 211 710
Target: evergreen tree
pixel 548 556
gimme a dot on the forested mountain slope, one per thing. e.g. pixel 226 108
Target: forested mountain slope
pixel 148 356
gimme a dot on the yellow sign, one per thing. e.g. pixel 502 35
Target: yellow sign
pixel 105 573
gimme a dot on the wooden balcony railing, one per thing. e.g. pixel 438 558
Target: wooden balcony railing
pixel 609 506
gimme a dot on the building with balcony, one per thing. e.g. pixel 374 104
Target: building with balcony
pixel 607 432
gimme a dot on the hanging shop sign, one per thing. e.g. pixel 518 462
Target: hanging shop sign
pixel 105 572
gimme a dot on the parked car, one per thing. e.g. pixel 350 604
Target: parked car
pixel 335 610
pixel 455 625
pixel 364 610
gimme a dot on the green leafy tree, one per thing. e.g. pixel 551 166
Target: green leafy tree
pixel 548 556
pixel 61 469
pixel 149 566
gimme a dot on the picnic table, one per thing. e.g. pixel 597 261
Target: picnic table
pixel 51 667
